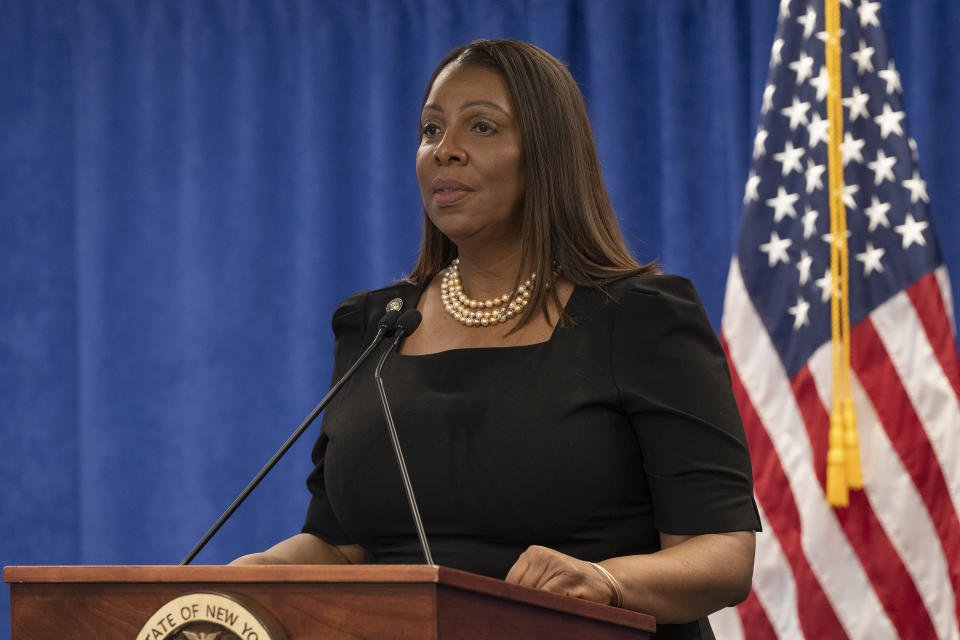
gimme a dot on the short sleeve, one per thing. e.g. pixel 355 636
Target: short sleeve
pixel 348 330
pixel 674 384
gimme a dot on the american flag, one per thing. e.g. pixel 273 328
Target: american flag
pixel 888 565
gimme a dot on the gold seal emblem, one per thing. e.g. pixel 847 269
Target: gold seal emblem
pixel 210 616
pixel 395 305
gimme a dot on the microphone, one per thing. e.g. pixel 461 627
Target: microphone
pixel 406 324
pixel 386 326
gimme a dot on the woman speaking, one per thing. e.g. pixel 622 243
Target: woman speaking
pixel 565 412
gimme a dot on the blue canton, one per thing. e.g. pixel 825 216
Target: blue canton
pixel 784 251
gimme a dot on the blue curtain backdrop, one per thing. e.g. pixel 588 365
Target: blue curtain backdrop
pixel 187 188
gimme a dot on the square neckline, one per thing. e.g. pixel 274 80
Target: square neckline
pixel 464 350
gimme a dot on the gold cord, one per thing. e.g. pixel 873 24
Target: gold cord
pixel 843 456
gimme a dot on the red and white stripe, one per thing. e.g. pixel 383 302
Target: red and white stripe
pixel 888 565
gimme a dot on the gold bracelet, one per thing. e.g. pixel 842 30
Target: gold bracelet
pixel 617 591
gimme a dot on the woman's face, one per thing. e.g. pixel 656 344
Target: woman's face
pixel 469 161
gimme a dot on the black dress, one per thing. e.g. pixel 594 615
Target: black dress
pixel 620 426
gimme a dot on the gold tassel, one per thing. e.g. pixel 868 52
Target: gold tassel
pixel 851 445
pixel 843 456
pixel 837 495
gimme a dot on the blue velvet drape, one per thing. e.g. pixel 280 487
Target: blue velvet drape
pixel 187 188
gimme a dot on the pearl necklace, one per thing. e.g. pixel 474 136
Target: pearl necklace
pixel 480 313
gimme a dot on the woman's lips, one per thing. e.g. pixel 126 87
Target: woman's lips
pixel 447 191
pixel 449 196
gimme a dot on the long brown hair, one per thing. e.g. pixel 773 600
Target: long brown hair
pixel 566 217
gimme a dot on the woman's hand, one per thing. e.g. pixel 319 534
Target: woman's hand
pixel 690 577
pixel 304 548
pixel 252 559
pixel 548 570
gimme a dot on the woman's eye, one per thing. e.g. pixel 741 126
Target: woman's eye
pixel 429 129
pixel 483 127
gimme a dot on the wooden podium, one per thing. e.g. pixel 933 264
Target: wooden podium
pixel 309 603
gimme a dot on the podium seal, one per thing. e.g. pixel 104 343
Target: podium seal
pixel 210 616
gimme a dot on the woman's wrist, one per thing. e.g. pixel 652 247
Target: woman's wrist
pixel 616 588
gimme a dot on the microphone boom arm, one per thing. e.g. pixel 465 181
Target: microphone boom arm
pixel 382 331
pixel 411 500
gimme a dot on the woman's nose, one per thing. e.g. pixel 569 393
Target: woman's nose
pixel 449 149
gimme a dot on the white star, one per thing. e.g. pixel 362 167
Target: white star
pixel 824 37
pixel 828 238
pixel 753 183
pixel 847 3
pixel 775 51
pixel 850 149
pixel 912 231
pixel 784 8
pixel 803 66
pixel 803 266
pixel 776 249
pixel 857 103
pixel 821 83
pixel 848 191
pixel 825 285
pixel 809 21
pixel 863 57
pixel 871 259
pixel 892 78
pixel 877 212
pixel 789 159
pixel 889 121
pixel 782 204
pixel 809 223
pixel 868 13
pixel 813 173
pixel 917 187
pixel 768 92
pixel 797 112
pixel 760 143
pixel 882 168
pixel 913 148
pixel 799 313
pixel 818 129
